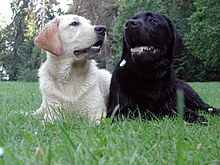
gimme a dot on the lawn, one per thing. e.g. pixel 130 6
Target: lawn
pixel 72 140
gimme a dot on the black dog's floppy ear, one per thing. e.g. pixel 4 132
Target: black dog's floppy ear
pixel 125 50
pixel 177 41
pixel 174 36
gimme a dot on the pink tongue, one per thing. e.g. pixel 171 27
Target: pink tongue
pixel 136 49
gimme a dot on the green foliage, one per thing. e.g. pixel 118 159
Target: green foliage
pixel 18 54
pixel 31 29
pixel 197 22
pixel 30 61
pixel 204 36
pixel 178 11
pixel 203 39
pixel 8 57
pixel 28 75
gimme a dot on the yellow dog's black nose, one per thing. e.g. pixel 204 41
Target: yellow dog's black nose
pixel 100 30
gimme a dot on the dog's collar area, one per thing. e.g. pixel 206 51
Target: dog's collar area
pixel 123 62
pixel 161 74
pixel 93 49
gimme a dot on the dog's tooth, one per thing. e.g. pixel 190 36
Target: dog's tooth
pixel 154 51
pixel 145 48
pixel 136 50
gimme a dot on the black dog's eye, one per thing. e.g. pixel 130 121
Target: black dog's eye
pixel 74 23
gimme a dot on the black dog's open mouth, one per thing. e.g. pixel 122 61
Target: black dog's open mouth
pixel 91 50
pixel 145 49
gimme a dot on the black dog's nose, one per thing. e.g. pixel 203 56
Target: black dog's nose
pixel 132 23
pixel 100 30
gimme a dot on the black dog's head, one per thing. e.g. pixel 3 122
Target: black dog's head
pixel 149 38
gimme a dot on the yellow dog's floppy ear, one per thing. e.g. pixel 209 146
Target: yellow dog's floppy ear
pixel 49 39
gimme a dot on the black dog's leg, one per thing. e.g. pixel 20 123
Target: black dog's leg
pixel 192 117
pixel 193 100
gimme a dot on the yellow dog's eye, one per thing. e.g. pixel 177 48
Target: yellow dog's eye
pixel 74 23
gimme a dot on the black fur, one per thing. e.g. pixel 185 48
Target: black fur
pixel 146 85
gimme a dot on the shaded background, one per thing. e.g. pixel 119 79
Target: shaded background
pixel 197 21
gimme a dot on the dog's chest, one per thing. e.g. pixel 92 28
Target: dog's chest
pixel 136 87
pixel 68 84
pixel 78 86
pixel 144 92
pixel 145 96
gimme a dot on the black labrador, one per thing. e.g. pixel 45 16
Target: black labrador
pixel 144 82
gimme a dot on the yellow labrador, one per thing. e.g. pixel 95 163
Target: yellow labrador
pixel 69 79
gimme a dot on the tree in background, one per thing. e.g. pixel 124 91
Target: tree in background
pixel 197 21
pixel 32 56
pixel 203 38
pixel 184 63
pixel 18 55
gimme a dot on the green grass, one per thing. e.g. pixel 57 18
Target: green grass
pixel 72 140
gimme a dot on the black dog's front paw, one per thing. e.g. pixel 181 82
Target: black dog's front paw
pixel 192 117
